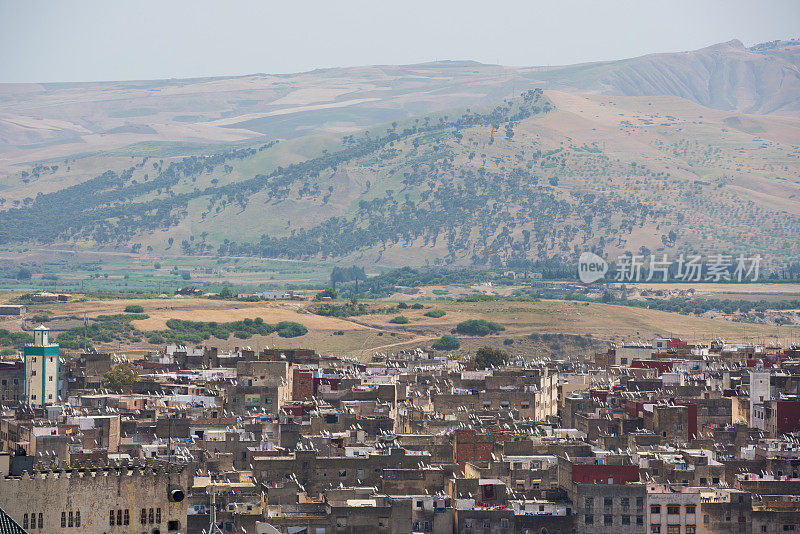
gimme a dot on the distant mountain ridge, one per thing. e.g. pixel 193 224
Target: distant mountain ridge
pixel 40 122
pixel 764 79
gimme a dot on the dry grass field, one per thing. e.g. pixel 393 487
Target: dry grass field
pixel 750 292
pixel 364 335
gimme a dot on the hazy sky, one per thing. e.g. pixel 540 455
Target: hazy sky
pixel 60 40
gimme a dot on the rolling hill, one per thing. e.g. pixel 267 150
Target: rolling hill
pixel 546 175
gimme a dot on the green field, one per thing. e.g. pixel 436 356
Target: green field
pixel 82 271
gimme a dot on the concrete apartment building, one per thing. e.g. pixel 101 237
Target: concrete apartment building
pixel 12 381
pixel 606 494
pixel 673 509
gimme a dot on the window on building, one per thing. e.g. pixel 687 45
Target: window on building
pixel 71 517
pixel 158 515
pixel 655 508
pixel 143 516
pixel 673 529
pixel 525 404
pixel 788 528
pixel 608 520
pixel 691 508
pixel 673 509
pixel 487 523
pixel 742 519
pixel 705 518
pixel 111 518
pixel 626 520
pixel 41 520
pixel 503 523
pixel 639 502
pixel 691 529
pixel 608 502
pixel 589 519
pixel 640 520
pixel 78 518
pixel 127 519
pixel 589 503
pixel 64 519
pixel 150 516
pixel 25 521
pixel 119 516
pixel 625 502
pixel 655 529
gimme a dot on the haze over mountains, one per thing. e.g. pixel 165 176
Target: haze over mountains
pixel 39 121
pixel 680 151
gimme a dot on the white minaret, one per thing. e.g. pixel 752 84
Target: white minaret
pixel 41 369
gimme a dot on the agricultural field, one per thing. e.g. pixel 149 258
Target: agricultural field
pixel 86 271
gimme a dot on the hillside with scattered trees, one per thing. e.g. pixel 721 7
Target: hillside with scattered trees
pixel 539 177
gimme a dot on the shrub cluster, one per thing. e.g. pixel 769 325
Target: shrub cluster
pixel 478 327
